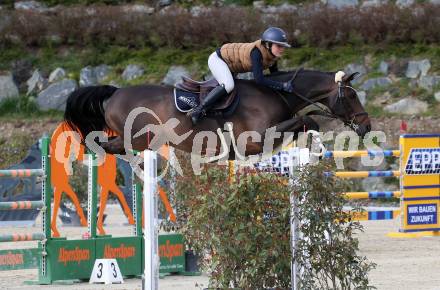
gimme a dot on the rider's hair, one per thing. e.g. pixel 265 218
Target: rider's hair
pixel 268 46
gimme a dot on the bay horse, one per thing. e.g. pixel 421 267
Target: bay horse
pixel 101 108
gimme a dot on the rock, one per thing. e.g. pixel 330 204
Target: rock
pixel 8 88
pixel 354 67
pixel 404 3
pixel 198 10
pixel 407 106
pixel 383 67
pixel 424 66
pixel 30 5
pixel 258 4
pixel 437 96
pixel 36 83
pixel 362 95
pixel 87 77
pixel 373 3
pixel 57 75
pixel 174 75
pixel 413 70
pixel 286 7
pixel 398 67
pixel 163 3
pixel 55 96
pixel 245 76
pixel 416 68
pixel 102 72
pixel 115 84
pixel 90 76
pixel 340 4
pixel 429 82
pixel 139 8
pixel 383 99
pixel 368 60
pixel 376 83
pixel 21 70
pixel 271 9
pixel 435 2
pixel 132 71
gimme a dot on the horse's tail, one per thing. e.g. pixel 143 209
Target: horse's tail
pixel 84 109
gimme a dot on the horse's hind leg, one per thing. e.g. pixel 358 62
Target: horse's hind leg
pixel 115 145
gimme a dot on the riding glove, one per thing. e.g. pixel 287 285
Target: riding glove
pixel 288 87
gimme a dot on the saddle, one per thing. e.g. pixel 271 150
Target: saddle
pixel 202 89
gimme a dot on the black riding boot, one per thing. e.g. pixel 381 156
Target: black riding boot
pixel 214 95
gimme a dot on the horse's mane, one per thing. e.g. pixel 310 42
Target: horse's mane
pixel 286 75
pixel 290 73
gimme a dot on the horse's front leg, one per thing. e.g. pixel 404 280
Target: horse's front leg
pixel 297 125
pixel 115 145
pixel 271 139
pixel 287 131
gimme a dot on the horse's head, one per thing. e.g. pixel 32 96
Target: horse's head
pixel 345 104
pixel 330 89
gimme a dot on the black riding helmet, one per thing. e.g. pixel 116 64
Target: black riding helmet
pixel 275 35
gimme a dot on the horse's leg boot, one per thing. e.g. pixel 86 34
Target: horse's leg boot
pixel 214 95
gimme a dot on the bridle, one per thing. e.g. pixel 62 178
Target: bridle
pixel 349 120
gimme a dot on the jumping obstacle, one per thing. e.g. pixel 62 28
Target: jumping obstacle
pixel 151 271
pixel 419 176
pixel 367 215
pixel 25 258
pixel 61 259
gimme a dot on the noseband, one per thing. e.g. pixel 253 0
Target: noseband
pixel 352 117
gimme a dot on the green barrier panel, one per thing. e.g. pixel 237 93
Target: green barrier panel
pixel 171 253
pixel 19 259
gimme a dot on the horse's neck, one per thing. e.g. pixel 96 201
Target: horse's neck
pixel 313 87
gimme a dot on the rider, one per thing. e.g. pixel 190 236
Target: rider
pixel 232 58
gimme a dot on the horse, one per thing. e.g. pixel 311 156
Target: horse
pixel 103 107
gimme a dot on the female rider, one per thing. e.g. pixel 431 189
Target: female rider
pixel 232 58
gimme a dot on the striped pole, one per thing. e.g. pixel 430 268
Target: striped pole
pixel 21 172
pixel 151 253
pixel 46 197
pixel 372 194
pixel 92 194
pixel 24 204
pixel 361 153
pixel 22 237
pixel 375 215
pixel 363 174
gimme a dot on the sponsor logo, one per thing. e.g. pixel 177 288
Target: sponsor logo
pixel 121 252
pixel 170 251
pixel 75 255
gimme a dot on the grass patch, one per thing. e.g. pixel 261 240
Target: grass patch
pixel 14 149
pixel 24 108
pixel 157 61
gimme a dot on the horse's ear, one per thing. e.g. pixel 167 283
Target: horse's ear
pixel 349 78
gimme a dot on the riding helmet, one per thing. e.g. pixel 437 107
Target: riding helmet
pixel 275 35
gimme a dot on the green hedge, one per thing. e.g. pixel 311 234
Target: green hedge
pixel 241 230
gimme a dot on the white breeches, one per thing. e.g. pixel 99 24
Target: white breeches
pixel 221 72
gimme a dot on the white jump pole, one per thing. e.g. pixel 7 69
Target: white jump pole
pixel 151 270
pixel 299 158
